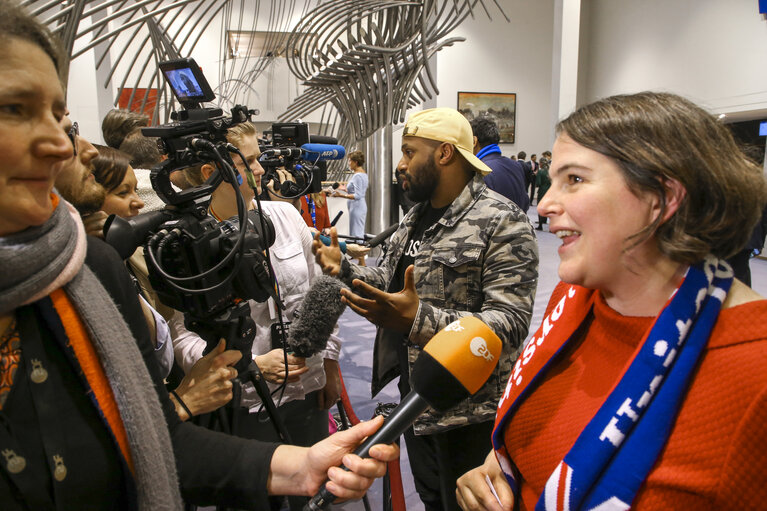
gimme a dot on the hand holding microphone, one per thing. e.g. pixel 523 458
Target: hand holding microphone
pixel 453 365
pixel 308 334
pixel 272 366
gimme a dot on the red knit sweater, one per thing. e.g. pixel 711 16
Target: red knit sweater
pixel 716 456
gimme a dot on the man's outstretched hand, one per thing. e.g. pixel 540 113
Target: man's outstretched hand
pixel 393 311
pixel 328 257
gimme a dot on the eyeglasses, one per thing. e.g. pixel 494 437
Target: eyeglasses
pixel 73 133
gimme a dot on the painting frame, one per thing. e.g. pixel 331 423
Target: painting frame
pixel 500 106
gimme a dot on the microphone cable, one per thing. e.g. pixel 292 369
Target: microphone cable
pixel 158 242
pixel 252 183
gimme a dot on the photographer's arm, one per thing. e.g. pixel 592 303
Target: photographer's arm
pixel 284 176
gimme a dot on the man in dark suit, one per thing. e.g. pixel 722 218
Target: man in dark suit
pixel 508 176
pixel 527 167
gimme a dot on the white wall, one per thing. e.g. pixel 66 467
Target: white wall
pixel 711 51
pixel 506 57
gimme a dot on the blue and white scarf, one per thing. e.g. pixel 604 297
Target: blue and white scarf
pixel 615 452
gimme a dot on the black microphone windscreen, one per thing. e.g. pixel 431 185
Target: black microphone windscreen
pixel 322 139
pixel 316 317
pixel 436 384
pixel 383 236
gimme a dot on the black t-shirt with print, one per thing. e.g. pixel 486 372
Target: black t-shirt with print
pixel 426 219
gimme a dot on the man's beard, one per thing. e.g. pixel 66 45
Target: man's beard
pixel 87 196
pixel 421 185
pixel 90 198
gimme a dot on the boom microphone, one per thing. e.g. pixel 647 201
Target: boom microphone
pixel 322 139
pixel 382 236
pixel 452 366
pixel 316 317
pixel 335 220
pixel 323 152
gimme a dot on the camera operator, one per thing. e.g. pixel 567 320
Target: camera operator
pixel 313 384
pixel 81 427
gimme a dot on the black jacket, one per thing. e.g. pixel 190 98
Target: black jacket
pixel 213 468
pixel 507 178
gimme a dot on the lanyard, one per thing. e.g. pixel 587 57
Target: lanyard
pixel 312 210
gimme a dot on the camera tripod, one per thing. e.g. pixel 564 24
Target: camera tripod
pixel 235 325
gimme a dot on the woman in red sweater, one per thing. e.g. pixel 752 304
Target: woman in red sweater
pixel 645 386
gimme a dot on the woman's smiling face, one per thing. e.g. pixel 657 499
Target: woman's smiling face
pixel 593 211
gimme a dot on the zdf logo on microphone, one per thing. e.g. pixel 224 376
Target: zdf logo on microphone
pixel 478 347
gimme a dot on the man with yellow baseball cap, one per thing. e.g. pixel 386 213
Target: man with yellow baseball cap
pixel 446 125
pixel 462 250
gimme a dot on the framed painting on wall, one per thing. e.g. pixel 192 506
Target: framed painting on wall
pixel 500 106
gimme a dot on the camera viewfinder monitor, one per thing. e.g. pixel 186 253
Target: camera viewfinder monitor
pixel 290 134
pixel 187 82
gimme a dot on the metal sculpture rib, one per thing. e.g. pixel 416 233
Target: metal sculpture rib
pixel 371 62
pixel 153 30
pixel 363 62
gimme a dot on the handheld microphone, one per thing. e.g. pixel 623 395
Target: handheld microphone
pixel 333 223
pixel 382 236
pixel 453 365
pixel 316 317
pixel 323 152
pixel 326 241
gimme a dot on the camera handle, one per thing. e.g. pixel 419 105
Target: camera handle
pixel 236 326
pixel 253 375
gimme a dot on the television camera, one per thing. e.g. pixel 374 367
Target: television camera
pixel 289 146
pixel 204 268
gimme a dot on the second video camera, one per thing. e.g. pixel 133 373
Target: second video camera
pixel 304 156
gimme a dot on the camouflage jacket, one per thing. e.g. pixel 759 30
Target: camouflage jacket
pixel 480 259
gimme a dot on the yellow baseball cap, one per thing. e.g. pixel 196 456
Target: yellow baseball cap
pixel 446 125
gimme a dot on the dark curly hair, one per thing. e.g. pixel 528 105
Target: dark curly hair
pixel 486 131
